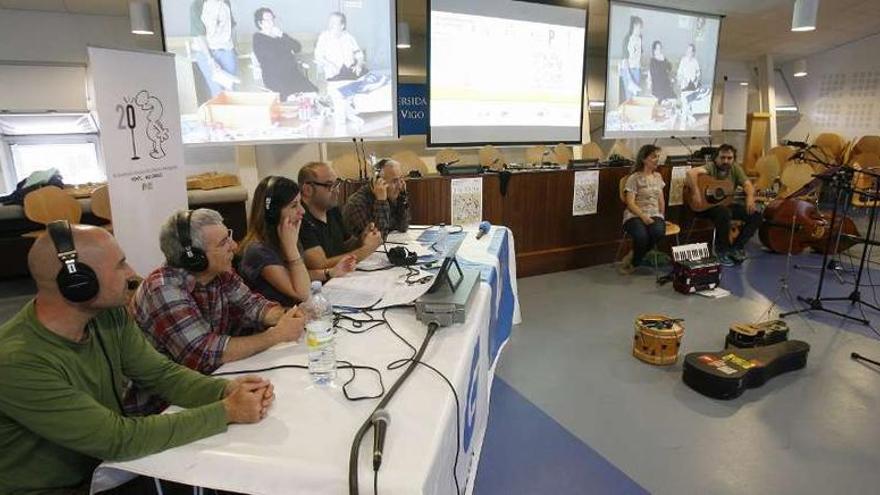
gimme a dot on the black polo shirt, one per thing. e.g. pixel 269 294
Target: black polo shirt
pixel 331 235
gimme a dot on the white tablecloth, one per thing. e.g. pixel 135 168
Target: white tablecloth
pixel 303 445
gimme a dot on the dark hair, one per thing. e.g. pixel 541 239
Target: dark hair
pixel 644 152
pixel 260 229
pixel 341 17
pixel 258 15
pixel 633 20
pixel 655 45
pixel 726 147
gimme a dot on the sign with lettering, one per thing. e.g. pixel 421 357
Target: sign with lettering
pixel 412 109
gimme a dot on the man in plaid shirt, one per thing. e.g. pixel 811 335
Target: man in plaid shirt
pixel 204 319
pixel 383 202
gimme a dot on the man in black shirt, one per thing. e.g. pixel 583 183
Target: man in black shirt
pixel 275 52
pixel 324 238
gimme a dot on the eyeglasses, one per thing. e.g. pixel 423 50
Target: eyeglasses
pixel 226 240
pixel 331 185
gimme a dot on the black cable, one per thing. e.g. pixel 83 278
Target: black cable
pixel 368 424
pixel 400 362
pixel 346 366
pixel 375 482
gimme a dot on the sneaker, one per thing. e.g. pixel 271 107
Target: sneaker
pixel 724 259
pixel 738 255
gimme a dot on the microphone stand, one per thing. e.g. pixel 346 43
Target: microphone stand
pixel 832 265
pixel 855 297
pixel 839 181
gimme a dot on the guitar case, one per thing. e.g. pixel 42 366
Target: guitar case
pixel 726 374
pixel 745 335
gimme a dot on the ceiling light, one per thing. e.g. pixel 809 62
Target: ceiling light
pixel 403 35
pixel 743 83
pixel 803 17
pixel 140 17
pixel 800 68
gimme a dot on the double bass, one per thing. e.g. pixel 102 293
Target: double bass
pixel 793 224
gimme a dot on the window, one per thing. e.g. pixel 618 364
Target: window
pixel 64 141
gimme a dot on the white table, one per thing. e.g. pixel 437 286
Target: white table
pixel 303 445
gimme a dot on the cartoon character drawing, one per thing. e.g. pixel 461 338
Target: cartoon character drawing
pixel 157 133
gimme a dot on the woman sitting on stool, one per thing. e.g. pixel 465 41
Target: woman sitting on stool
pixel 645 206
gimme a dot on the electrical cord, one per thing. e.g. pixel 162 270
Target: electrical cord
pixel 399 363
pixel 368 424
pixel 345 366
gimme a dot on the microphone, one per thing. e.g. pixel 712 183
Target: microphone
pixel 357 153
pixel 380 420
pixel 483 229
pixel 796 144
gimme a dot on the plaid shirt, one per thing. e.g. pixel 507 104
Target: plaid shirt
pixel 191 323
pixel 361 208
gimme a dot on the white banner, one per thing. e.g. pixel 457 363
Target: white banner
pixel 586 193
pixel 134 97
pixel 467 201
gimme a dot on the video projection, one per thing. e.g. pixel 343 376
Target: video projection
pixel 283 70
pixel 505 72
pixel 661 71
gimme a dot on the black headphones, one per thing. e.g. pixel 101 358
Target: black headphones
pixel 271 211
pixel 77 282
pixel 192 258
pixel 401 256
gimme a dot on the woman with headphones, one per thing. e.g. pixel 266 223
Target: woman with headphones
pixel 271 262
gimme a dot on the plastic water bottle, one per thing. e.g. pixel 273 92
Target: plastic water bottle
pixel 441 242
pixel 319 337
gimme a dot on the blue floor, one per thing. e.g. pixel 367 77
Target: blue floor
pixel 526 452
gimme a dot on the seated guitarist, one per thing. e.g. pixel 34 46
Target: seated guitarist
pixel 724 168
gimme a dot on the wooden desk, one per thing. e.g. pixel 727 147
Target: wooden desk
pixel 537 208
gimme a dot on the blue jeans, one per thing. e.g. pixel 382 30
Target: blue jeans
pixel 644 237
pixel 225 59
pixel 628 78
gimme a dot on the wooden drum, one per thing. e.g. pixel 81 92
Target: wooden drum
pixel 657 339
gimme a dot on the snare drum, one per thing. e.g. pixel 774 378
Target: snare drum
pixel 657 339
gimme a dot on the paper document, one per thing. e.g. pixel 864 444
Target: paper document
pixel 358 289
pixel 402 293
pixel 376 261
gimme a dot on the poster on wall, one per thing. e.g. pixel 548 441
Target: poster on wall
pixel 586 193
pixel 467 201
pixel 676 186
pixel 134 97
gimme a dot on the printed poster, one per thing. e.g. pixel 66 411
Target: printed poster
pixel 467 201
pixel 586 193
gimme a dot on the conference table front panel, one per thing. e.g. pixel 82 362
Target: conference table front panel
pixel 537 207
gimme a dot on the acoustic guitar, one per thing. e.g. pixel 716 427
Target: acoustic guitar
pixel 711 192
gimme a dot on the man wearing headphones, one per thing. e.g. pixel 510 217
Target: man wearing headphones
pixel 325 239
pixel 196 310
pixel 384 202
pixel 65 359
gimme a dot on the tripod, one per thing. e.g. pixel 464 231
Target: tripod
pixel 840 181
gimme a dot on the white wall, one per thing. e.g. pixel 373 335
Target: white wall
pixel 841 93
